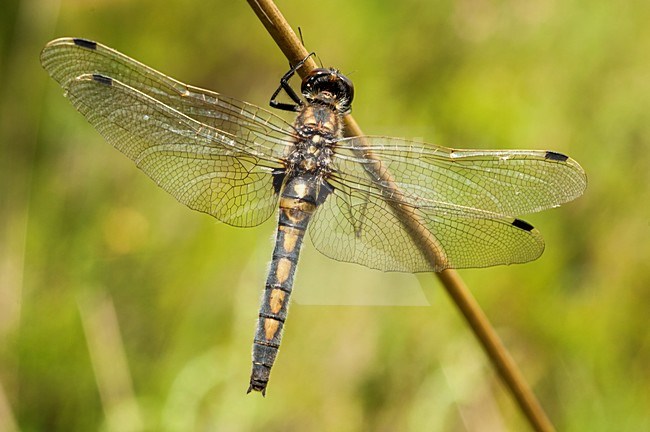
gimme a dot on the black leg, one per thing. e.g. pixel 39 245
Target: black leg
pixel 284 85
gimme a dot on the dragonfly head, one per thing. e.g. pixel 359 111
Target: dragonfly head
pixel 329 87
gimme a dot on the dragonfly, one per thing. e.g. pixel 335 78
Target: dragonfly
pixel 241 164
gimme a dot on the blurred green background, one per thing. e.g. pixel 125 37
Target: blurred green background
pixel 122 310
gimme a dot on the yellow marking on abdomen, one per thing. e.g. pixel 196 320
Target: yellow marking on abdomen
pixel 277 300
pixel 289 241
pixel 292 210
pixel 283 269
pixel 270 328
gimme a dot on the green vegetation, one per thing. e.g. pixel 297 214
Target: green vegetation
pixel 121 309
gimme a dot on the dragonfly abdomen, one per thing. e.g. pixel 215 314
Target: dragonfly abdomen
pixel 297 205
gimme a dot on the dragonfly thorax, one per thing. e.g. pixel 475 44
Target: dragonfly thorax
pixel 319 120
pixel 311 156
pixel 318 128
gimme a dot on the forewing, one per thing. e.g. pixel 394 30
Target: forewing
pixel 504 182
pixel 222 167
pixel 262 133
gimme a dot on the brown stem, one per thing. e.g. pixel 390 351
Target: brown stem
pixel 290 45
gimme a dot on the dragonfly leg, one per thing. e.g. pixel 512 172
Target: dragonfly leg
pixel 284 85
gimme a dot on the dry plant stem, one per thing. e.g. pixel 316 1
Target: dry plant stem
pixel 290 45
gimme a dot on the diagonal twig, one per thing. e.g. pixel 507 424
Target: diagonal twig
pixel 290 45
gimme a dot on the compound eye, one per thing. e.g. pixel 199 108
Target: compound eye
pixel 338 86
pixel 311 83
pixel 349 87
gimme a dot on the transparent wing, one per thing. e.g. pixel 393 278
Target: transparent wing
pixel 505 182
pixel 463 202
pixel 214 154
pixel 360 227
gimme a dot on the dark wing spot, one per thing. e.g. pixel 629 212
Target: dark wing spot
pixel 522 224
pixel 85 43
pixel 103 79
pixel 551 155
pixel 278 179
